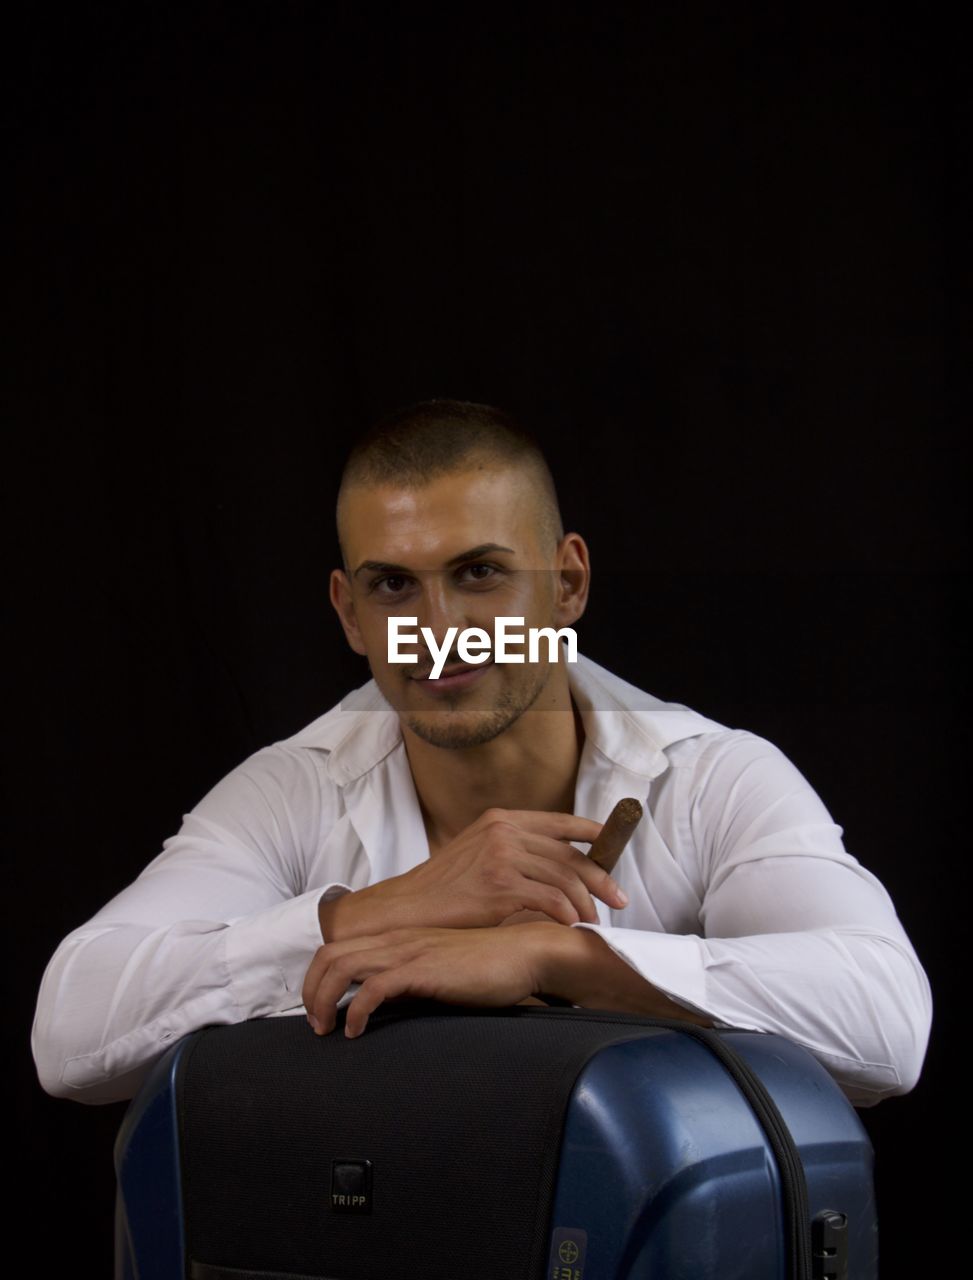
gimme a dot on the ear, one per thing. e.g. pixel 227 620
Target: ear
pixel 572 579
pixel 344 605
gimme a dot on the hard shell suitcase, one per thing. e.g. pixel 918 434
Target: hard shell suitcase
pixel 525 1143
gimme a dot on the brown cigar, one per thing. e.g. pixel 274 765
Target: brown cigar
pixel 616 833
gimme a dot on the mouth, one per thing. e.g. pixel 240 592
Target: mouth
pixel 460 675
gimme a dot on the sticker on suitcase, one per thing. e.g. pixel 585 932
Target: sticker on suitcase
pixel 568 1245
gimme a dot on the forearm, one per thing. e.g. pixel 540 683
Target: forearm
pixel 578 965
pixel 575 964
pixel 859 1002
pixel 116 994
pixel 360 914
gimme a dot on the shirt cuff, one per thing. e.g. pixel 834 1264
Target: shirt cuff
pixel 269 951
pixel 673 962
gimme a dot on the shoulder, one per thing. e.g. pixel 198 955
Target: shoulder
pixel 712 780
pixel 722 772
pixel 737 760
pixel 721 744
pixel 710 754
pixel 742 792
pixel 351 738
pixel 294 775
pixel 732 769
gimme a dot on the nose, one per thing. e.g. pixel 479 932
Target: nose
pixel 439 608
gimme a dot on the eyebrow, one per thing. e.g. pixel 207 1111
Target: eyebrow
pixel 474 553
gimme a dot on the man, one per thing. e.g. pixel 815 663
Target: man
pixel 419 839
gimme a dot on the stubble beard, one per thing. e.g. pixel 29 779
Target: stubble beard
pixel 444 729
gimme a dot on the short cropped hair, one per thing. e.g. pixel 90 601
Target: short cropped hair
pixel 432 438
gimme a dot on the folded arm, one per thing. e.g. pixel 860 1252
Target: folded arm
pixel 796 936
pixel 211 932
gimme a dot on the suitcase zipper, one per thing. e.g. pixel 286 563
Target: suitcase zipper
pixel 793 1182
pixel 797 1211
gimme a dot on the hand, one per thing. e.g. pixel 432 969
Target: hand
pixel 507 861
pixel 457 966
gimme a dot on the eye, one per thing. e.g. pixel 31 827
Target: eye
pixel 491 571
pixel 387 578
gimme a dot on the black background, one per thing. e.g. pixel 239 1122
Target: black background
pixel 699 253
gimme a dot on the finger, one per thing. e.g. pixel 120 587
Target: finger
pixel 315 971
pixel 354 966
pixel 383 986
pixel 328 952
pixel 555 888
pixel 558 826
pixel 324 957
pixel 592 876
pixel 322 1008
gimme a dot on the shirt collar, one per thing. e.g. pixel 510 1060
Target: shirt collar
pixel 630 727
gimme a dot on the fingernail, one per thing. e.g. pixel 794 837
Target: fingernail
pixel 622 897
pixel 314 1023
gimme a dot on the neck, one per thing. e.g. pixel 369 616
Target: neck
pixel 531 765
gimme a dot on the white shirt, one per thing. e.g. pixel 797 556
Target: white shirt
pixel 743 902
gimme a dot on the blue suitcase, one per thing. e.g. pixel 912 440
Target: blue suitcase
pixel 526 1143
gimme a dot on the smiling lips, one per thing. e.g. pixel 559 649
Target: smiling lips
pixel 457 676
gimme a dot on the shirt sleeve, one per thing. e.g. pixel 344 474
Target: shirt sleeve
pixel 796 937
pixel 218 928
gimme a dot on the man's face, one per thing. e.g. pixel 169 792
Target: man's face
pixel 409 555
